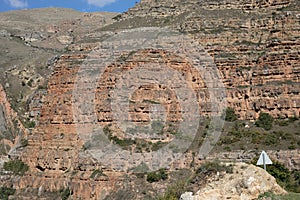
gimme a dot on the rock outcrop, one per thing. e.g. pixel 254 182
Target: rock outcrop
pixel 31 41
pixel 255 46
pixel 290 158
pixel 246 183
pixel 12 131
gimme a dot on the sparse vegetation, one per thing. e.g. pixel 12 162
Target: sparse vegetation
pixel 292 119
pixel 230 115
pixel 29 124
pixel 157 176
pixel 282 122
pixel 272 196
pixel 174 191
pixel 96 173
pixel 241 135
pixel 288 179
pixel 117 17
pixel 24 142
pixel 5 192
pixel 215 166
pixel 265 120
pixel 42 87
pixel 29 83
pixel 65 193
pixel 124 143
pixel 140 145
pixel 17 167
pixel 86 146
pixel 183 184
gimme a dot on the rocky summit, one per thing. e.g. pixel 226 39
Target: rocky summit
pixel 64 73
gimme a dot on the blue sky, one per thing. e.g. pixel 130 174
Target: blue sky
pixel 81 5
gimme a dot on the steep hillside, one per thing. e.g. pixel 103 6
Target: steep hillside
pixel 253 45
pixel 31 41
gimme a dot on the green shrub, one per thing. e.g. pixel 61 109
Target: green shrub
pixel 230 115
pixel 292 147
pixel 279 171
pixel 65 193
pixel 117 17
pixel 174 191
pixel 16 166
pixel 29 124
pixel 227 148
pixel 86 146
pixel 265 120
pixel 289 180
pixel 42 87
pixel 215 166
pixel 292 119
pixel 5 192
pixel 270 195
pixel 24 142
pixel 271 140
pixel 96 173
pixel 123 143
pixel 282 122
pixel 157 176
pixel 29 83
pixel 156 146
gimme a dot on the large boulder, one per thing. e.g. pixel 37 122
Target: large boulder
pixel 245 183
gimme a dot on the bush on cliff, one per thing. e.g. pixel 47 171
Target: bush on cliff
pixel 65 193
pixel 156 176
pixel 5 192
pixel 265 120
pixel 288 179
pixel 17 167
pixel 230 115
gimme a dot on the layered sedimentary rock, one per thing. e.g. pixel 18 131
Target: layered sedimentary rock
pixel 291 158
pixel 54 152
pixel 56 149
pixel 31 41
pixel 255 47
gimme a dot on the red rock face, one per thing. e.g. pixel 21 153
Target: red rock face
pixel 55 147
pixel 260 70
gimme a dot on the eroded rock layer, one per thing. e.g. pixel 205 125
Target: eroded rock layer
pixel 255 47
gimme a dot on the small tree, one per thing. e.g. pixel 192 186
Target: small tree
pixel 156 176
pixel 5 192
pixel 65 193
pixel 230 115
pixel 17 167
pixel 265 120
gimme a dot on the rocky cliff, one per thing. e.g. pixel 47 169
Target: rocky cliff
pixel 248 183
pixel 13 134
pixel 254 44
pixel 32 41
